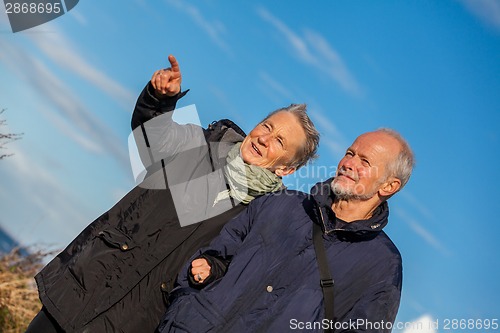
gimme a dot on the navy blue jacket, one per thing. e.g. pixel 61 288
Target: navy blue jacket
pixel 272 281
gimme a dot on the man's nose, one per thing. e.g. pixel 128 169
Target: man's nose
pixel 349 164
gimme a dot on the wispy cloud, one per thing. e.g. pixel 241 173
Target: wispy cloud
pixel 59 211
pixel 421 231
pixel 61 51
pixel 79 17
pixel 423 214
pixel 329 60
pixel 334 147
pixel 331 136
pixel 328 126
pixel 87 143
pixel 4 21
pixel 75 119
pixel 488 11
pixel 421 208
pixel 221 96
pixel 313 49
pixel 276 87
pixel 214 29
pixel 297 43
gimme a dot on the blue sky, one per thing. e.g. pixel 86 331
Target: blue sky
pixel 429 69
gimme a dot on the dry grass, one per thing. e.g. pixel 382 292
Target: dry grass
pixel 18 295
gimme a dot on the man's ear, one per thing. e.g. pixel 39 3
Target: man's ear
pixel 282 171
pixel 391 186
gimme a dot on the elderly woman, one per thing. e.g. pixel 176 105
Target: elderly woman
pixel 116 275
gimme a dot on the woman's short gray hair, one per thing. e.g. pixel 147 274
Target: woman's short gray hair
pixel 402 166
pixel 310 147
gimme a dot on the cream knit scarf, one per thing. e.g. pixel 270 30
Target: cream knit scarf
pixel 246 182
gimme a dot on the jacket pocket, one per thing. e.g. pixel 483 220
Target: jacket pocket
pixel 99 260
pixel 117 239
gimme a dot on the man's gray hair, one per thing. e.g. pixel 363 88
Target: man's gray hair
pixel 310 147
pixel 402 166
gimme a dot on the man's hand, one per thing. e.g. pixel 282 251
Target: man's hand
pixel 167 82
pixel 200 269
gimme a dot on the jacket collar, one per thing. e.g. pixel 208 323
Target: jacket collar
pixel 324 197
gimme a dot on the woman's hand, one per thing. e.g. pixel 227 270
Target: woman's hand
pixel 167 82
pixel 200 269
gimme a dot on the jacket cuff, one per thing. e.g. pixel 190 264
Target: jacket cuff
pixel 164 104
pixel 218 268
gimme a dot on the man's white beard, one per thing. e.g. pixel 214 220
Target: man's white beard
pixel 348 194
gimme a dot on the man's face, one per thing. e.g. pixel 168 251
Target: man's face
pixel 273 143
pixel 362 171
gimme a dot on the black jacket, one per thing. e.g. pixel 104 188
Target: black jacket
pixel 272 282
pixel 114 276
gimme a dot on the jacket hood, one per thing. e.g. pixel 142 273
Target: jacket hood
pixel 369 228
pixel 221 136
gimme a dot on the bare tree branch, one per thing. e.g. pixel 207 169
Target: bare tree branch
pixel 6 138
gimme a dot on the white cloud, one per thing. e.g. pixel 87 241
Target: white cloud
pixel 214 29
pixel 419 229
pixel 329 60
pixel 274 85
pixel 224 100
pixel 488 11
pixel 4 22
pixel 331 136
pixel 297 43
pixel 334 146
pixel 54 44
pixel 78 16
pixel 421 208
pixel 424 214
pixel 75 120
pixel 61 51
pixel 48 204
pixel 71 132
pixel 314 50
pixel 423 324
pixel 328 126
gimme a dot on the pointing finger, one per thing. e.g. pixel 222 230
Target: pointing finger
pixel 174 64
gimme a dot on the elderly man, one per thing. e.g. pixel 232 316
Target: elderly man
pixel 261 274
pixel 116 275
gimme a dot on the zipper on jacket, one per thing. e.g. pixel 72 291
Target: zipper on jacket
pixel 322 219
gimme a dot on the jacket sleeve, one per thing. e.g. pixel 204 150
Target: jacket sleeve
pixel 148 106
pixel 226 244
pixel 158 137
pixel 218 267
pixel 374 312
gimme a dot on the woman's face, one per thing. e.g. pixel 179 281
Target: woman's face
pixel 273 143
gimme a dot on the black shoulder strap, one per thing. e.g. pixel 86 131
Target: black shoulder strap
pixel 324 273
